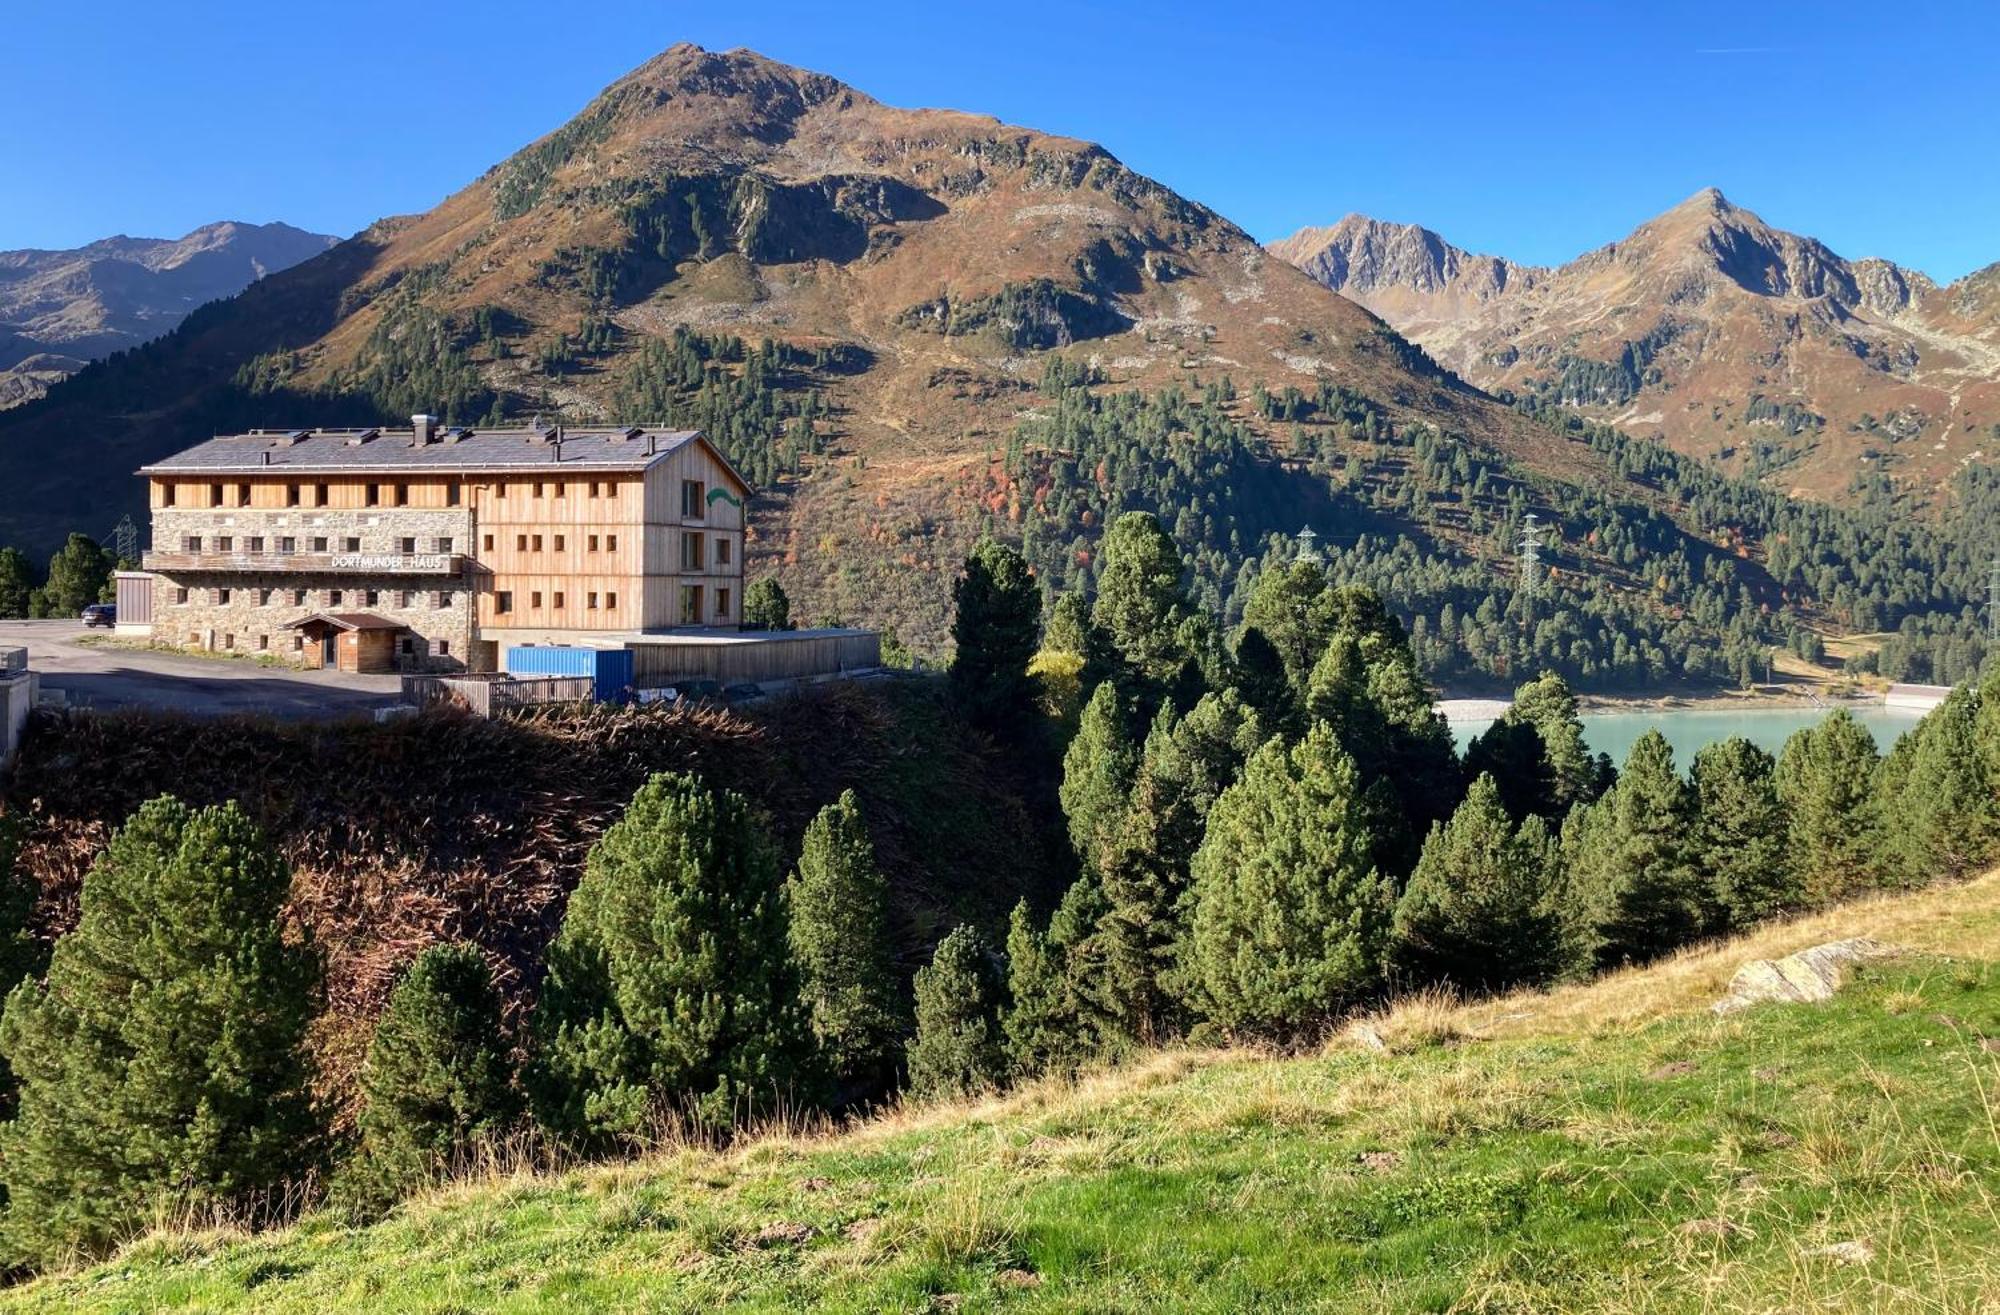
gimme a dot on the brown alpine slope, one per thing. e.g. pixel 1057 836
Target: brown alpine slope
pixel 1730 339
pixel 938 258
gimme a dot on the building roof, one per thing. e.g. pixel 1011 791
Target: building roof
pixel 523 448
pixel 347 621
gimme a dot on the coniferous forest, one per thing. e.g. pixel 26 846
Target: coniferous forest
pixel 1263 828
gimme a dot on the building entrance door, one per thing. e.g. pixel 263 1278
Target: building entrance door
pixel 328 653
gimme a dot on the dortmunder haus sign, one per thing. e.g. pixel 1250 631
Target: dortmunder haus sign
pixel 414 563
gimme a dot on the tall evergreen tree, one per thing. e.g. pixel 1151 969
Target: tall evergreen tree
pixel 1826 778
pixel 17 583
pixel 1098 769
pixel 766 606
pixel 997 611
pixel 438 1080
pixel 959 1047
pixel 1479 911
pixel 1935 785
pixel 1290 917
pixel 840 939
pixel 162 1063
pixel 672 982
pixel 1739 845
pixel 79 575
pixel 1143 611
pixel 22 954
pixel 1633 894
pixel 1058 1016
pixel 1512 753
pixel 1293 609
pixel 1547 704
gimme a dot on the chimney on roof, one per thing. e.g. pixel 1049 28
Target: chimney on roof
pixel 421 429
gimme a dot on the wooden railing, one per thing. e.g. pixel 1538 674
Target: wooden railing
pixel 494 695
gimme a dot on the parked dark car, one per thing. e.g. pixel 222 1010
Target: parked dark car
pixel 100 614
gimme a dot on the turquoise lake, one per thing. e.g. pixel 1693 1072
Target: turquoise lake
pixel 1688 729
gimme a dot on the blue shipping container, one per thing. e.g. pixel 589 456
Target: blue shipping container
pixel 611 668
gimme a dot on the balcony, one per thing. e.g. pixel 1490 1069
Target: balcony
pixel 308 563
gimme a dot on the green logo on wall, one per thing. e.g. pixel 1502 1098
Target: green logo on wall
pixel 726 496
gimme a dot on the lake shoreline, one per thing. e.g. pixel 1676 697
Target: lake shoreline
pixel 1763 700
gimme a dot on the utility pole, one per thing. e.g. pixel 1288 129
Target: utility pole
pixel 1531 556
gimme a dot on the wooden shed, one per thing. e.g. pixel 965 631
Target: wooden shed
pixel 360 642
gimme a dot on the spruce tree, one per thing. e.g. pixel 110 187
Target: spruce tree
pixel 162 1063
pixel 1479 911
pixel 959 1048
pixel 22 954
pixel 671 982
pixel 1740 847
pixel 437 1082
pixel 840 940
pixel 1632 893
pixel 1098 768
pixel 1826 778
pixel 997 610
pixel 1290 918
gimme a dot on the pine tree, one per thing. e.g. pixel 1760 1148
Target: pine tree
pixel 1547 704
pixel 1632 894
pixel 766 607
pixel 1059 1016
pixel 1097 775
pixel 162 1063
pixel 79 575
pixel 840 939
pixel 672 982
pixel 1293 609
pixel 1290 918
pixel 1143 611
pixel 1512 753
pixel 22 954
pixel 1479 910
pixel 1934 783
pixel 17 583
pixel 438 1081
pixel 959 1048
pixel 1740 830
pixel 997 610
pixel 1826 778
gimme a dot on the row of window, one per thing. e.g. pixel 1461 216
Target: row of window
pixel 533 543
pixel 437 599
pixel 319 543
pixel 503 601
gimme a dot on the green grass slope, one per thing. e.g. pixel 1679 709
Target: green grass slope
pixel 1608 1148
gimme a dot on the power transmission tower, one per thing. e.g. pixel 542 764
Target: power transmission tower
pixel 1531 556
pixel 126 541
pixel 1993 600
pixel 1309 546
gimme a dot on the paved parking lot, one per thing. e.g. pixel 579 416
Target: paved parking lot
pixel 100 675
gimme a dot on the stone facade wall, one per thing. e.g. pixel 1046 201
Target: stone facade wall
pixel 248 611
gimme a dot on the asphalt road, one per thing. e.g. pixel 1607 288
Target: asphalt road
pixel 106 677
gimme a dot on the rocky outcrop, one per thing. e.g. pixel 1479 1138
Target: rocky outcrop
pixel 1803 978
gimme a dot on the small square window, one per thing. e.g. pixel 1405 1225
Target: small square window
pixel 520 543
pixel 611 600
pixel 591 543
pixel 451 494
pixel 556 599
pixel 536 541
pixel 222 595
pixel 611 543
pixel 408 547
pixel 224 543
pixel 333 597
pixel 444 545
pixel 287 544
pixel 191 543
pixel 374 495
pixel 503 602
pixel 535 599
pixel 488 546
pixel 263 642
pixel 351 543
pixel 370 598
pixel 255 543
pixel 166 495
pixel 319 543
pixel 559 543
pixel 291 495
pixel 721 551
pixel 402 495
pixel 181 594
pixel 590 600
pixel 298 598
pixel 444 648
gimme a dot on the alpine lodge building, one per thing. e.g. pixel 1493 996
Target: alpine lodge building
pixel 435 549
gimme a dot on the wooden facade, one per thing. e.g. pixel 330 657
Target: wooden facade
pixel 547 538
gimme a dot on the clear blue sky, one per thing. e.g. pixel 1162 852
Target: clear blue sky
pixel 1534 130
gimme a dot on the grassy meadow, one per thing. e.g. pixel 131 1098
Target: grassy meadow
pixel 1611 1147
